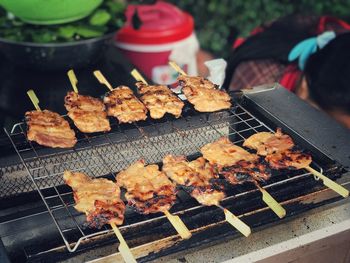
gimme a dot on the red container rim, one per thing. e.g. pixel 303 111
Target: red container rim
pixel 155 36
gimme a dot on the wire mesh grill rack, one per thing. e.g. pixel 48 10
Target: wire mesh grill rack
pixel 104 154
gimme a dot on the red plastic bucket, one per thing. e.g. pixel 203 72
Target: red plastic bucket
pixel 166 33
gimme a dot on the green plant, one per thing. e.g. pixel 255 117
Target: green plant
pixel 219 22
pixel 106 18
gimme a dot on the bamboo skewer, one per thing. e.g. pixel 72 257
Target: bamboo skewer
pixel 179 225
pixel 236 222
pixel 123 246
pixel 34 99
pixel 138 76
pixel 73 80
pixel 271 202
pixel 177 68
pixel 98 74
pixel 329 183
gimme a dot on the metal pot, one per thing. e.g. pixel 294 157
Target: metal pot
pixel 55 56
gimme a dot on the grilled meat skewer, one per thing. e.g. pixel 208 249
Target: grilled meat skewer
pixel 239 166
pixel 49 129
pixel 148 189
pixel 99 199
pixel 196 176
pixel 203 94
pixel 266 143
pixel 293 160
pixel 223 152
pixel 124 105
pixel 234 163
pixel 244 171
pixel 278 150
pixel 87 113
pixel 159 99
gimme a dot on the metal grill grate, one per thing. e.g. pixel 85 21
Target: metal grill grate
pixel 104 154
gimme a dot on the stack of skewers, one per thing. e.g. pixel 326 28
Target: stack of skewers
pixel 150 189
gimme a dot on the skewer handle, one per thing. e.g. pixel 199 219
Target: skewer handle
pixel 123 247
pixel 329 183
pixel 34 99
pixel 237 223
pixel 272 203
pixel 98 74
pixel 137 75
pixel 177 68
pixel 73 80
pixel 178 225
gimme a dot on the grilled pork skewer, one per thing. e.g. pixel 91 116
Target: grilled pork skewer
pixel 279 153
pixel 150 191
pixel 100 200
pixel 266 143
pixel 48 128
pixel 236 164
pixel 196 177
pixel 87 113
pixel 122 103
pixel 202 93
pixel 159 99
pixel 278 150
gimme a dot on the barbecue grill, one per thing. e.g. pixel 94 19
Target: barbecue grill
pixel 40 224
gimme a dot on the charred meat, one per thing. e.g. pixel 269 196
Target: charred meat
pixel 269 143
pixel 123 104
pixel 99 199
pixel 289 159
pixel 49 129
pixel 224 153
pixel 244 171
pixel 159 100
pixel 87 113
pixel 197 176
pixel 203 94
pixel 279 150
pixel 148 189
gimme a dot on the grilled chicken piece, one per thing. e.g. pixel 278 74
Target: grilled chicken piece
pixel 203 94
pixel 160 100
pixel 148 189
pixel 49 129
pixel 123 104
pixel 99 199
pixel 224 153
pixel 244 171
pixel 289 159
pixel 196 176
pixel 87 113
pixel 269 143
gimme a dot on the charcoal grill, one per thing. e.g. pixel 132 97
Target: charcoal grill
pixel 40 170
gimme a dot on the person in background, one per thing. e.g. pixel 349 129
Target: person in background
pixel 308 55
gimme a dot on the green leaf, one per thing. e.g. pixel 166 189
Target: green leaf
pixel 86 31
pixel 67 32
pixel 100 18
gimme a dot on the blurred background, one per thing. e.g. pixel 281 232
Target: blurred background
pixel 219 22
pixel 40 40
